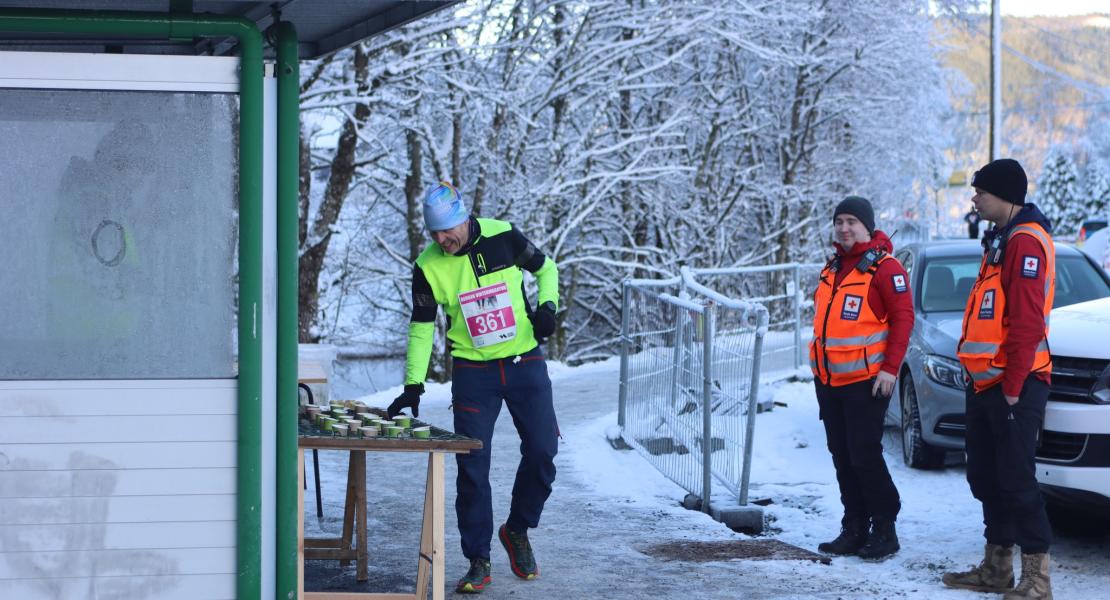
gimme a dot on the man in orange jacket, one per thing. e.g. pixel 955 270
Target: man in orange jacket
pixel 861 327
pixel 1004 351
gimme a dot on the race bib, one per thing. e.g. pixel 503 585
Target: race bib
pixel 488 313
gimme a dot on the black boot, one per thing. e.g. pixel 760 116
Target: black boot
pixel 853 534
pixel 882 542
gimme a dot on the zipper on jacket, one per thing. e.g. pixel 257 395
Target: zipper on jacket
pixel 470 254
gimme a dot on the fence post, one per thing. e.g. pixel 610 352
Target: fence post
pixel 753 405
pixel 797 317
pixel 676 362
pixel 626 302
pixel 710 326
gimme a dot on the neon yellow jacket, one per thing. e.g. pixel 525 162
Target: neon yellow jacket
pixel 497 253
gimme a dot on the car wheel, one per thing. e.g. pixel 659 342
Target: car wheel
pixel 915 452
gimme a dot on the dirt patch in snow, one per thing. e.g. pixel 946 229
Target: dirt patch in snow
pixel 732 550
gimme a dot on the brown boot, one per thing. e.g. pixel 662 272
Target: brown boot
pixel 995 574
pixel 1035 584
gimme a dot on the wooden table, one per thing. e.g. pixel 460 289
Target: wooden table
pixel 353 544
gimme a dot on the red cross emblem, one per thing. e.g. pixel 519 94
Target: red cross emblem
pixel 1030 264
pixel 851 304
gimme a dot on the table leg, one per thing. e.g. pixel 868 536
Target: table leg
pixel 362 567
pixel 427 547
pixel 349 508
pixel 438 579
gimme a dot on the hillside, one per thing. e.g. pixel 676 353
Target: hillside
pixel 1056 85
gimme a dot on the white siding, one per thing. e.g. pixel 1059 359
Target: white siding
pixel 117 489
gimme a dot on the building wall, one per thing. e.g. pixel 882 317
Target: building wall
pixel 117 489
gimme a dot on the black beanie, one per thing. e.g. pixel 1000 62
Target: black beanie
pixel 859 208
pixel 1004 178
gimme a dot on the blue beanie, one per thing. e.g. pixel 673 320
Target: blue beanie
pixel 443 208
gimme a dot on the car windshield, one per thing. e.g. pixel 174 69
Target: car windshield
pixel 947 282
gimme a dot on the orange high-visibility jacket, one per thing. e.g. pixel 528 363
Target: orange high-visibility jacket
pixel 986 323
pixel 849 340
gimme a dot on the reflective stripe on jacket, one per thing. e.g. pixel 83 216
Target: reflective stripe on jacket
pixel 849 340
pixel 985 321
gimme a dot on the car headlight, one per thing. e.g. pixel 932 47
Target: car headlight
pixel 945 371
pixel 1100 391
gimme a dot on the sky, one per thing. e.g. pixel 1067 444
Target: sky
pixel 1056 8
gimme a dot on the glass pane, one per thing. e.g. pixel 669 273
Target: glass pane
pixel 120 231
pixel 947 283
pixel 1077 281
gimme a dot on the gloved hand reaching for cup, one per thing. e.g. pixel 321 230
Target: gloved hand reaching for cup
pixel 410 398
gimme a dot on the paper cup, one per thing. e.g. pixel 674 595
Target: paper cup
pixel 353 424
pixel 326 423
pixel 368 431
pixel 312 411
pixel 365 417
pixel 422 433
pixel 339 429
pixel 394 431
pixel 383 424
pixel 404 421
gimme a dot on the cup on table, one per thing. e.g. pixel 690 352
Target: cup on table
pixel 339 429
pixel 404 421
pixel 368 432
pixel 422 433
pixel 383 424
pixel 394 431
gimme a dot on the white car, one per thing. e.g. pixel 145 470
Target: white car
pixel 1073 460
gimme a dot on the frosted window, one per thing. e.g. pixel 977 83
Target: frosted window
pixel 119 230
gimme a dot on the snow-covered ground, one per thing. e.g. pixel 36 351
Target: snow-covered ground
pixel 609 506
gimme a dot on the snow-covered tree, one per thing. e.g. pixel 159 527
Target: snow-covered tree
pixel 624 137
pixel 1058 192
pixel 1097 189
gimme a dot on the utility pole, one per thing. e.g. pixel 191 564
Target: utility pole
pixel 996 80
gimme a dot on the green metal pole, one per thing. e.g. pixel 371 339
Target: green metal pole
pixel 288 191
pixel 162 26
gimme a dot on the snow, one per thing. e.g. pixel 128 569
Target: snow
pixel 608 506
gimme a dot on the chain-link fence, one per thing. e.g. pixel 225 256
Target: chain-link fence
pixel 689 378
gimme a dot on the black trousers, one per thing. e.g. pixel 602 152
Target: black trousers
pixel 853 421
pixel 1001 444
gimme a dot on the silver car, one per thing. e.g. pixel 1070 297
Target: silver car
pixel 929 398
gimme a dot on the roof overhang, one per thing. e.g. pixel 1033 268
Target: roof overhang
pixel 323 26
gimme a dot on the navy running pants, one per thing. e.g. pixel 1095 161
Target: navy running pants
pixel 477 390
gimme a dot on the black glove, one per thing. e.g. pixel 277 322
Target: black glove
pixel 410 398
pixel 543 321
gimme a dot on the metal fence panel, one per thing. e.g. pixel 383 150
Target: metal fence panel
pixel 660 389
pixel 690 366
pixel 787 293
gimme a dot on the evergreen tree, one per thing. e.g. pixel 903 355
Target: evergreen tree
pixel 1058 194
pixel 1098 189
